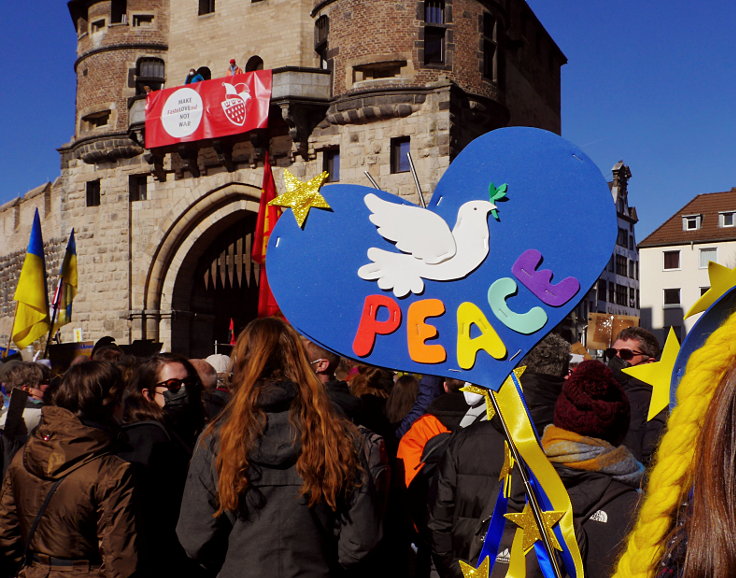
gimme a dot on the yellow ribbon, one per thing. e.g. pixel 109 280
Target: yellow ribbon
pixel 517 561
pixel 517 421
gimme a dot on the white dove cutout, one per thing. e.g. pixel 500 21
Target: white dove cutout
pixel 430 249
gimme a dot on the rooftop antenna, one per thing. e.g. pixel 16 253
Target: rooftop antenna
pixel 416 181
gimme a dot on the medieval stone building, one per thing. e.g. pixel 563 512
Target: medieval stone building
pixel 164 235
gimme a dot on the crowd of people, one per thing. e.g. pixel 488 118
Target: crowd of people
pixel 284 459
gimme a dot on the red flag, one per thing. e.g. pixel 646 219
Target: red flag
pixel 232 332
pixel 267 217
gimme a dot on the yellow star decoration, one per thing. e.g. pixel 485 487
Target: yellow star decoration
pixel 721 280
pixel 508 463
pixel 301 196
pixel 658 375
pixel 530 530
pixel 481 571
pixel 470 388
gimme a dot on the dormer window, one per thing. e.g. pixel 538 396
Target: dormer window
pixel 692 222
pixel 726 219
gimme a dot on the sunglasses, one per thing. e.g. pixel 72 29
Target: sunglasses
pixel 173 385
pixel 625 354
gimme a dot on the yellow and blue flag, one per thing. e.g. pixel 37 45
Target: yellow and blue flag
pixel 66 290
pixel 32 313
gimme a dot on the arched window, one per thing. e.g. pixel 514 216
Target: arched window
pixel 149 72
pixel 254 63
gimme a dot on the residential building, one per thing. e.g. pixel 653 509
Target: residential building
pixel 617 290
pixel 674 260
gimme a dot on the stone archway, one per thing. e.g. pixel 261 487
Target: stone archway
pixel 217 282
pixel 174 310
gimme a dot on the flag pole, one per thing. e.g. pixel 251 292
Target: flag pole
pixel 10 333
pixel 54 311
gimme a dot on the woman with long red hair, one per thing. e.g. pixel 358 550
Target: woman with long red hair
pixel 277 485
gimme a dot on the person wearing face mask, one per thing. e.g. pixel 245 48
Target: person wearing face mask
pixel 159 426
pixel 636 346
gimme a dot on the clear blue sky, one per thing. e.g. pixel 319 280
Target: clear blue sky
pixel 651 83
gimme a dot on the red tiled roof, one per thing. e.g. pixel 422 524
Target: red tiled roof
pixel 708 205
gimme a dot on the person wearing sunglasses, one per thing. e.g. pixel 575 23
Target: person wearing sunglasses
pixel 159 426
pixel 637 346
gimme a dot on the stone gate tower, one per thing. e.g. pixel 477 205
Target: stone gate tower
pixel 164 235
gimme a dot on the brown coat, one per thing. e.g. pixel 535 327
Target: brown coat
pixel 89 517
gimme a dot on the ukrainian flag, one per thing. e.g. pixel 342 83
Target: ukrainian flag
pixel 67 288
pixel 32 313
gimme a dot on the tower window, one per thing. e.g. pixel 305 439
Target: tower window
pixel 98 25
pixel 142 20
pixel 331 164
pixel 206 7
pixel 95 120
pixel 93 193
pixel 254 63
pixel 399 150
pixel 434 32
pixel 321 34
pixel 149 72
pixel 118 11
pixel 489 46
pixel 138 187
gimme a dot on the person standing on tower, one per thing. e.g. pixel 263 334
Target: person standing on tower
pixel 233 69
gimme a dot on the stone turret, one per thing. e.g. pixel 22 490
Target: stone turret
pixel 121 53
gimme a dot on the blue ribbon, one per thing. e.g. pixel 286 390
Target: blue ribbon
pixel 495 529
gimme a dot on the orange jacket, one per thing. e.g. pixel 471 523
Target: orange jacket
pixel 412 444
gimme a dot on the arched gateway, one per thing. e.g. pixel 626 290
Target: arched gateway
pixel 202 275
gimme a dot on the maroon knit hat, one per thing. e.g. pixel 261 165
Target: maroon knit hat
pixel 592 403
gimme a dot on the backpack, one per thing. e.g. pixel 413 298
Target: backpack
pixel 375 459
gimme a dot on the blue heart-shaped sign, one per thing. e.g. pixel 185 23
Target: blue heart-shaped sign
pixel 519 228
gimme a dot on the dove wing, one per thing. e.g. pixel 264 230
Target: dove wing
pixel 420 232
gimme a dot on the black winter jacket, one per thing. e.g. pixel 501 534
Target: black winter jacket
pixel 274 534
pixel 466 489
pixel 604 510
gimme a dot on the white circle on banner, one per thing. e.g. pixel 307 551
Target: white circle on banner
pixel 182 112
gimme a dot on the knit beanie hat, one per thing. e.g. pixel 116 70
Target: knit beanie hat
pixel 592 403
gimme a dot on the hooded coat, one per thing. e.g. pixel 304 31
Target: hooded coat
pixel 274 532
pixel 88 527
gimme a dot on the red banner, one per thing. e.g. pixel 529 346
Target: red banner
pixel 208 109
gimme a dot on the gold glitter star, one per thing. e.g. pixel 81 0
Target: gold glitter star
pixel 530 530
pixel 508 463
pixel 481 571
pixel 301 196
pixel 721 280
pixel 658 374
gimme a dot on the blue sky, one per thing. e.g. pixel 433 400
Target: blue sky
pixel 651 83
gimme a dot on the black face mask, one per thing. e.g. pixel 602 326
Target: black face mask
pixel 616 364
pixel 173 401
